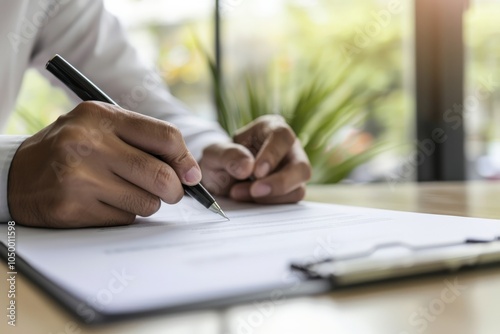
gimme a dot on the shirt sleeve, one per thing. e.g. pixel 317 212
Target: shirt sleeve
pixel 92 39
pixel 8 147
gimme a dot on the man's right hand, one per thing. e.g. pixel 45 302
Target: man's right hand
pixel 98 165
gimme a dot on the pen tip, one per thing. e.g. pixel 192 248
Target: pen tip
pixel 216 208
pixel 224 215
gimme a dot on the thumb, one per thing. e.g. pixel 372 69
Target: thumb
pixel 232 158
pixel 223 164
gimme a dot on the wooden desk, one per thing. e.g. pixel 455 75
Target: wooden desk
pixel 388 308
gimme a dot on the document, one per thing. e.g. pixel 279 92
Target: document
pixel 186 255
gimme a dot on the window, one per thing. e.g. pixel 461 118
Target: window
pixel 282 39
pixel 482 89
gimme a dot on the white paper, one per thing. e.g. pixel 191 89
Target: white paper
pixel 185 254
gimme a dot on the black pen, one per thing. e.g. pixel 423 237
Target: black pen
pixel 88 91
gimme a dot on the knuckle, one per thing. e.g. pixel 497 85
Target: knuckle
pixel 73 148
pixel 271 118
pixel 95 110
pixel 62 119
pixel 171 132
pixel 69 134
pixel 129 202
pixel 183 157
pixel 151 204
pixel 136 162
pixel 272 121
pixel 277 118
pixel 142 205
pixel 84 109
pixel 88 107
pixel 232 153
pixel 162 176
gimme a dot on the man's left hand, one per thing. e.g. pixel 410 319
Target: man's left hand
pixel 265 164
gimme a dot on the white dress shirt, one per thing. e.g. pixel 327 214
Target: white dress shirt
pixel 89 37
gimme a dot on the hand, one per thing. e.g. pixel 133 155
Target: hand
pixel 266 150
pixel 96 166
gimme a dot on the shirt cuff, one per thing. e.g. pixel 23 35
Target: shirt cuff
pixel 8 147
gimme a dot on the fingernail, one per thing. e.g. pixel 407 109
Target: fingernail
pixel 261 190
pixel 193 175
pixel 263 169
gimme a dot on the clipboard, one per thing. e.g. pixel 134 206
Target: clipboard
pixel 366 267
pixel 318 277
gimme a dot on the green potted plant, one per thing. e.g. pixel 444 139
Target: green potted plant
pixel 317 109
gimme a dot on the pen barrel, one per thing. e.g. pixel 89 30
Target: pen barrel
pixel 76 81
pixel 199 193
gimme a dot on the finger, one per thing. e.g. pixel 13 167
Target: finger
pixel 233 158
pixel 145 171
pixel 273 151
pixel 241 192
pixel 111 216
pixel 154 136
pixel 296 170
pixel 293 197
pixel 255 133
pixel 97 214
pixel 126 196
pixel 217 182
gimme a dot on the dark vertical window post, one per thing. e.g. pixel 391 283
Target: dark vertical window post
pixel 218 82
pixel 439 89
pixel 217 42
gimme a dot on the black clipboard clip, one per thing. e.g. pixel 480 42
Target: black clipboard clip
pixel 367 267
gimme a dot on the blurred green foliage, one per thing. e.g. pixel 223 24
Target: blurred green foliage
pixel 317 108
pixel 38 105
pixel 339 83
